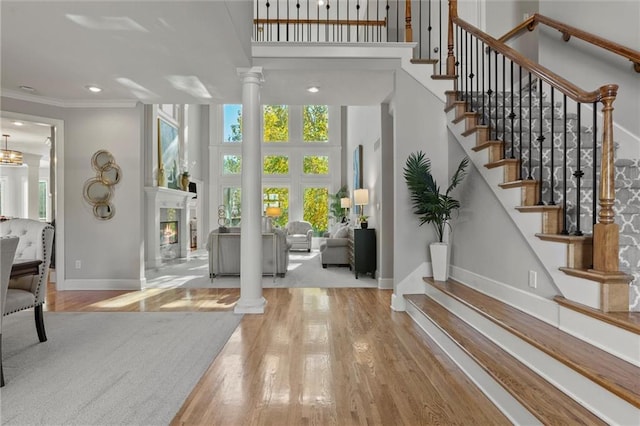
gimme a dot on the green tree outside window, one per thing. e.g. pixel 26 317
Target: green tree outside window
pixel 232 123
pixel 232 164
pixel 276 165
pixel 315 165
pixel 316 209
pixel 277 197
pixel 315 123
pixel 276 123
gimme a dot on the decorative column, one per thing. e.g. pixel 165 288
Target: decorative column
pixel 251 300
pixel 33 178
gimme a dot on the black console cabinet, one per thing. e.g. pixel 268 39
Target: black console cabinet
pixel 362 251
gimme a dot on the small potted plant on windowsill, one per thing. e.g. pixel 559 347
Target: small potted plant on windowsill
pixel 363 221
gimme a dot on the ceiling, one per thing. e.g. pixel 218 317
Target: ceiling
pixel 155 52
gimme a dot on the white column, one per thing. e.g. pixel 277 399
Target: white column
pixel 33 177
pixel 251 300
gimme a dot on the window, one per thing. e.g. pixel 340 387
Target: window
pixel 276 123
pixel 231 164
pixel 316 208
pixel 276 165
pixel 315 122
pixel 277 197
pixel 232 200
pixel 232 123
pixel 43 197
pixel 315 165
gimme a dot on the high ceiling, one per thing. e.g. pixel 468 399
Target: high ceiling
pixel 155 52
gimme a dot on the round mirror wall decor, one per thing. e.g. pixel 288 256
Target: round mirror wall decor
pixel 98 191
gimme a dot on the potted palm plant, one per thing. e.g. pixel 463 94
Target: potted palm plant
pixel 433 206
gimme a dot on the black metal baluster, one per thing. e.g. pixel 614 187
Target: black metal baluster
pixel 520 144
pixel 287 25
pixel 564 231
pixel 387 20
pixel 471 75
pixel 308 26
pixel 512 115
pixel 552 201
pixel 457 65
pixel 594 200
pixel 439 37
pixel 278 21
pixel 429 28
pixel 504 107
pixel 267 26
pixel 578 174
pixel 484 111
pixel 420 46
pixel 379 30
pixel 540 142
pixel 465 67
pixel 529 176
pixel 358 21
pixel 397 20
pixel 349 24
pixel 497 91
pixel 326 29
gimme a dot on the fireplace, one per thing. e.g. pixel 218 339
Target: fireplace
pixel 167 235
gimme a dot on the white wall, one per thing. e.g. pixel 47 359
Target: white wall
pixel 503 16
pixel 419 124
pixel 14 200
pixel 590 67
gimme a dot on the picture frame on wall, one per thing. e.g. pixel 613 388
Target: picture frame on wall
pixel 168 154
pixel 357 168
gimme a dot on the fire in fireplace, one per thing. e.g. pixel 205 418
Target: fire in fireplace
pixel 168 233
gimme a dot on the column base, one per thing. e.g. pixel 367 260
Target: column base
pixel 250 306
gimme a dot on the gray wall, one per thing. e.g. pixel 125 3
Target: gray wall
pixel 485 240
pixel 419 124
pixel 590 67
pixel 107 250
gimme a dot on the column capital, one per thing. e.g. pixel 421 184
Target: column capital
pixel 251 75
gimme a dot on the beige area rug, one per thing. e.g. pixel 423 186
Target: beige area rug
pixel 304 271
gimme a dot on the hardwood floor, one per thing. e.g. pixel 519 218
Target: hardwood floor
pixel 316 357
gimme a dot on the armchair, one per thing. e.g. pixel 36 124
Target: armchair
pixel 7 252
pixel 25 292
pixel 300 235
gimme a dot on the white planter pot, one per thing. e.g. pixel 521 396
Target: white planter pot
pixel 440 261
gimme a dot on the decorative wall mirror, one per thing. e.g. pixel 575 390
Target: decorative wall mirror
pixel 98 191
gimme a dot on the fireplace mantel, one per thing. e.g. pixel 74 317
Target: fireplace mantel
pixel 165 198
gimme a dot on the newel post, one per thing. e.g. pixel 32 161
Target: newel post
pixel 408 32
pixel 606 232
pixel 451 60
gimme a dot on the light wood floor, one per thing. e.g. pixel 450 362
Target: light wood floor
pixel 316 357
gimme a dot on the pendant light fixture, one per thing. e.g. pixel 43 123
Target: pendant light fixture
pixel 8 156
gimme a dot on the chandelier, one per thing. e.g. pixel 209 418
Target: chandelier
pixel 8 156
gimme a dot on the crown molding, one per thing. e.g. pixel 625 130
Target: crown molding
pixel 116 103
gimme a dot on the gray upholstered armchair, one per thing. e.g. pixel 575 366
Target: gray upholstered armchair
pixel 29 291
pixel 300 235
pixel 8 247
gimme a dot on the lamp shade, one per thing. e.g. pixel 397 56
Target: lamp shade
pixel 345 203
pixel 273 212
pixel 361 197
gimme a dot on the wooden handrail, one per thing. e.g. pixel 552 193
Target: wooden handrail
pixel 366 23
pixel 563 85
pixel 568 31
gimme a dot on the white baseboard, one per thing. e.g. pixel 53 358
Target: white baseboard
pixel 385 283
pixel 103 284
pixel 412 284
pixel 534 305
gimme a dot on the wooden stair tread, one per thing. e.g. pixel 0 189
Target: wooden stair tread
pixel 486 144
pixel 444 77
pixel 503 162
pixel 518 183
pixel 537 209
pixel 629 321
pixel 601 277
pixel 424 61
pixel 538 396
pixel 561 238
pixel 614 374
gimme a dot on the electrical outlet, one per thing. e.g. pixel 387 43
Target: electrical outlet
pixel 78 264
pixel 533 280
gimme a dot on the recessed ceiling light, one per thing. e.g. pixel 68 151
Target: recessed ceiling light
pixel 27 89
pixel 18 123
pixel 94 89
pixel 313 89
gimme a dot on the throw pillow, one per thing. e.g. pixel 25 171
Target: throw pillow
pixel 343 232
